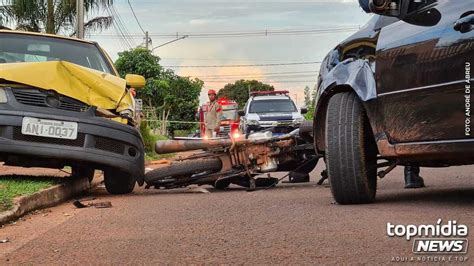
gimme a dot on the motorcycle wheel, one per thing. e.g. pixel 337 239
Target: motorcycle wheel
pixel 183 168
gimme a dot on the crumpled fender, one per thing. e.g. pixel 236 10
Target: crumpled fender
pixel 357 74
pixel 89 86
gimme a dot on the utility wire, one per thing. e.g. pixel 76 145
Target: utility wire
pixel 247 65
pixel 123 39
pixel 284 32
pixel 283 81
pixel 123 27
pixel 118 26
pixel 258 33
pixel 250 32
pixel 260 77
pixel 259 74
pixel 133 12
pixel 235 60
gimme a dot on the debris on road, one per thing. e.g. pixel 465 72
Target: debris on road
pixel 198 190
pixel 106 204
pixel 6 240
pixel 79 204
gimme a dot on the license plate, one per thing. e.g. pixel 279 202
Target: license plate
pixel 49 128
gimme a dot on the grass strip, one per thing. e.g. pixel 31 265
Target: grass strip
pixel 12 186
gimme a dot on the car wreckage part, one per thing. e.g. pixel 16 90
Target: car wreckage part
pixel 351 152
pixel 306 131
pixel 181 172
pixel 235 161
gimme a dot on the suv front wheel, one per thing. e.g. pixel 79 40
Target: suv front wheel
pixel 351 152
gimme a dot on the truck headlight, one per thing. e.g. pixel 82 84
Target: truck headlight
pixel 299 121
pixel 252 122
pixel 3 96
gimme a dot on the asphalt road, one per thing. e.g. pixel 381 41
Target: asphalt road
pixel 290 224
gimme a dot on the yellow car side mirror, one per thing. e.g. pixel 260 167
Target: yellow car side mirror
pixel 135 81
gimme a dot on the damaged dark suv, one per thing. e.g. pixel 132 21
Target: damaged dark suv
pixel 397 93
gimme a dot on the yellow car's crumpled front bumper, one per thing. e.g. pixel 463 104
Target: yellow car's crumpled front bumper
pixel 89 86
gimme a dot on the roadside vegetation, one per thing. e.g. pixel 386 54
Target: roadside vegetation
pixel 166 96
pixel 240 89
pixel 15 186
pixel 149 139
pixel 309 102
pixel 53 16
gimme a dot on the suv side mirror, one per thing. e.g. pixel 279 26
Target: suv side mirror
pixel 241 113
pixel 394 8
pixel 304 110
pixel 135 81
pixel 391 8
pixel 427 18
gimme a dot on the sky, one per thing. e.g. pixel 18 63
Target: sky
pixel 225 16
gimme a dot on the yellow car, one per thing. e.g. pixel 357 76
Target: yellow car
pixel 62 103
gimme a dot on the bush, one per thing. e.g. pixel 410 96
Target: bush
pixel 149 140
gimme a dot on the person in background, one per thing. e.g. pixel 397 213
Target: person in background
pixel 212 115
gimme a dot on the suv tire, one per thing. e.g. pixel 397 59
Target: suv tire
pixel 351 152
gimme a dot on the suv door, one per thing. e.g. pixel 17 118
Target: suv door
pixel 420 74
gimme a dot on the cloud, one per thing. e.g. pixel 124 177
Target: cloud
pixel 202 22
pixel 197 16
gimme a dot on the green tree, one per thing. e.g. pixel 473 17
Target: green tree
pixel 310 102
pixel 307 96
pixel 171 97
pixel 51 16
pixel 239 90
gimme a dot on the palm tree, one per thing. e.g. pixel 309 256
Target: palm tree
pixel 51 16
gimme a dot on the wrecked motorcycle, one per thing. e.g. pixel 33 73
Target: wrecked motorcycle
pixel 239 161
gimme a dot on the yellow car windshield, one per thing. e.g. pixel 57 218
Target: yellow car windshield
pixel 17 48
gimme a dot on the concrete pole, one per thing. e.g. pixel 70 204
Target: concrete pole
pixel 80 19
pixel 146 40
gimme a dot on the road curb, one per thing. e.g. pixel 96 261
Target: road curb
pixel 45 198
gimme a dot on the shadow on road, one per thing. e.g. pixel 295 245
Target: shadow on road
pixel 445 196
pixel 459 196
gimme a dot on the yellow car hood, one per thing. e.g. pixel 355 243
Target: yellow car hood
pixel 84 84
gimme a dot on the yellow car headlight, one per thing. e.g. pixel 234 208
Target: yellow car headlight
pixel 3 96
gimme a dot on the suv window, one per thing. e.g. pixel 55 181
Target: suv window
pixel 15 48
pixel 272 106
